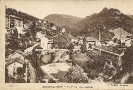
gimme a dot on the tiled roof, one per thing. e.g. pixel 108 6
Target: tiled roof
pixel 19 52
pixel 17 56
pixel 108 49
pixel 91 39
pixel 17 59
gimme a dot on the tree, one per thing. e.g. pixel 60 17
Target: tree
pixel 127 60
pixel 6 74
pixel 115 40
pixel 83 47
pixel 119 42
pixel 76 75
pixel 71 46
pixel 127 67
pixel 51 24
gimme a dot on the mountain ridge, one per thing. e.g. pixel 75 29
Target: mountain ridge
pixel 104 21
pixel 62 19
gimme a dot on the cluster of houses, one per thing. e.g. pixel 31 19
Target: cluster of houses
pixel 22 21
pixel 14 18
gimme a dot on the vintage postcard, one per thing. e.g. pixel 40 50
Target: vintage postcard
pixel 66 44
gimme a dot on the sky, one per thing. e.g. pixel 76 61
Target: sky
pixel 41 9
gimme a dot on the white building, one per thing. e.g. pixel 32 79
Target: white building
pixel 44 42
pixel 63 30
pixel 92 41
pixel 54 27
pixel 12 68
pixel 14 61
pixel 74 40
pixel 128 43
pixel 38 35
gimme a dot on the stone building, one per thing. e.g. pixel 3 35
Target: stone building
pixel 14 18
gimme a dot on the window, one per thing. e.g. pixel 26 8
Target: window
pixel 7 23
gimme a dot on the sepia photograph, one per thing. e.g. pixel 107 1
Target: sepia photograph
pixel 76 42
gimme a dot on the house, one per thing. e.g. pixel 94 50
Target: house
pixel 63 30
pixel 128 43
pixel 15 61
pixel 54 27
pixel 90 41
pixel 39 23
pixel 44 42
pixel 14 21
pixel 50 43
pixel 13 64
pixel 17 53
pixel 38 35
pixel 110 43
pixel 120 34
pixel 80 39
pixel 14 18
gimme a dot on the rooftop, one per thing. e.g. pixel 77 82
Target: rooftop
pixel 109 49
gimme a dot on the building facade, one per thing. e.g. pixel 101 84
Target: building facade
pixel 14 18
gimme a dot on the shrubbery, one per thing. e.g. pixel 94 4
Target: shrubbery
pixel 76 75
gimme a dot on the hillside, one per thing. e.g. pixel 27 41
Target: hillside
pixel 119 32
pixel 104 21
pixel 131 16
pixel 62 20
